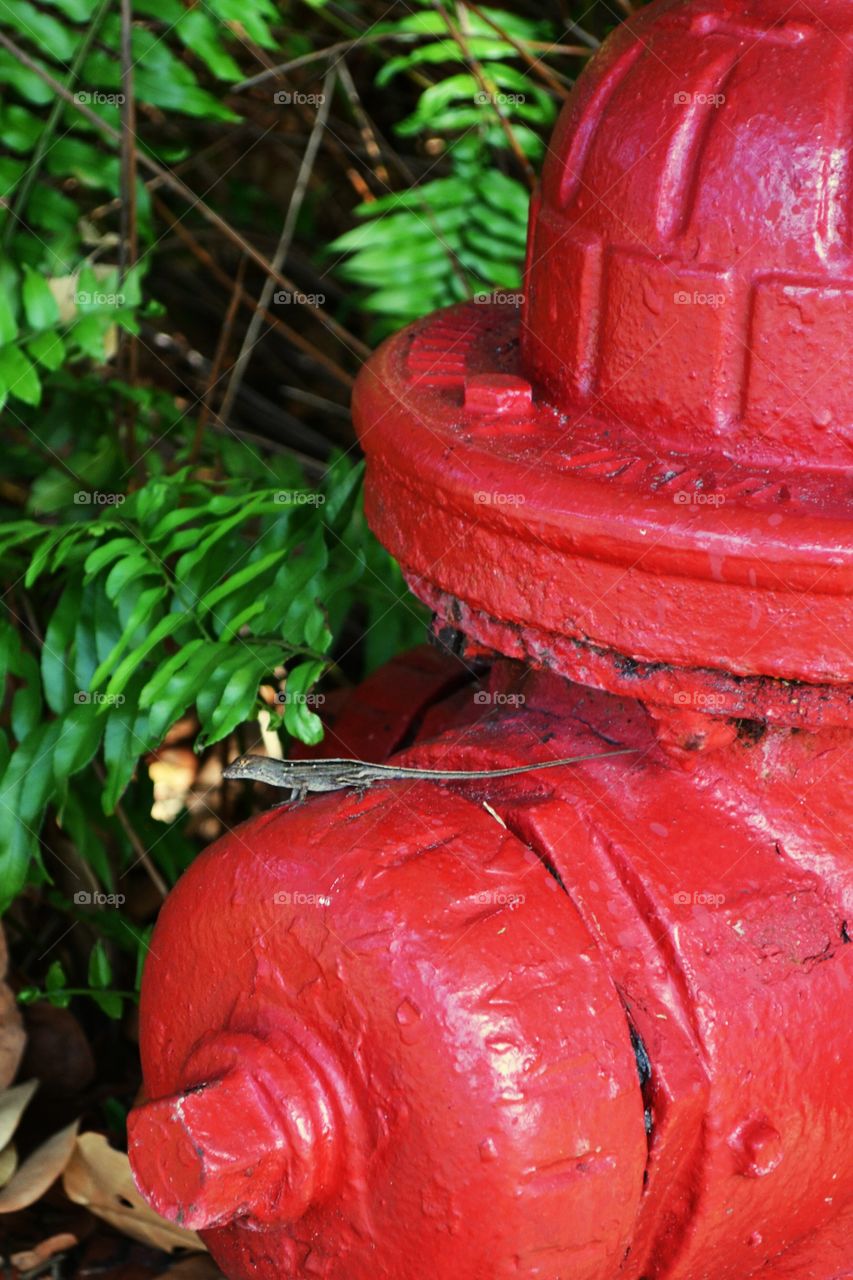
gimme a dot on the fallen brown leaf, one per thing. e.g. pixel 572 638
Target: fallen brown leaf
pixel 38 1171
pixel 172 772
pixel 99 1177
pixel 13 1104
pixel 12 1037
pixel 8 1163
pixel 29 1258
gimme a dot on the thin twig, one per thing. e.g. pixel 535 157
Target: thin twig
pixel 293 335
pixel 586 36
pixel 143 857
pixel 342 46
pixel 365 126
pixel 536 65
pixel 186 193
pixel 253 329
pixel 480 77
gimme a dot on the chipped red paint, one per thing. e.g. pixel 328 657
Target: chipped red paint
pixel 591 1024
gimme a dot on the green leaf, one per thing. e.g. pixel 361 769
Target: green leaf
pixel 89 334
pixel 105 554
pixel 165 627
pixel 79 739
pixel 40 306
pixel 26 787
pixel 56 673
pixel 238 580
pixel 76 819
pixel 133 568
pixel 18 375
pixel 26 702
pixel 195 29
pixel 109 1002
pixel 100 969
pixel 299 719
pixel 55 983
pixel 167 670
pixel 8 325
pixel 144 946
pixel 126 738
pixel 41 556
pixel 49 35
pixel 237 699
pixel 142 611
pixel 10 650
pixel 48 349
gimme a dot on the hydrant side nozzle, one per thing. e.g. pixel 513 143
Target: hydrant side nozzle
pixel 256 1141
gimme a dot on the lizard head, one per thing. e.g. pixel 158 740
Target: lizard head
pixel 242 767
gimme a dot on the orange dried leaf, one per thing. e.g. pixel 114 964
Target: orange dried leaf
pixel 13 1104
pixel 99 1178
pixel 39 1171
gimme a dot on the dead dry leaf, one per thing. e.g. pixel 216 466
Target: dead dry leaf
pixel 12 1036
pixel 13 1104
pixel 30 1258
pixel 172 772
pixel 8 1163
pixel 99 1177
pixel 39 1171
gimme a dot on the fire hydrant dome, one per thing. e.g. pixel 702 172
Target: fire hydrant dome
pixel 641 477
pixel 691 265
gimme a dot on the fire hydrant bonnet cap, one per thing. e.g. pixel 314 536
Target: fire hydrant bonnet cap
pixel 648 463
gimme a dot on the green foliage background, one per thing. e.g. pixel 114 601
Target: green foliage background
pixel 153 569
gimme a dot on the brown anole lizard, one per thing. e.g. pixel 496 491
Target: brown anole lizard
pixel 302 776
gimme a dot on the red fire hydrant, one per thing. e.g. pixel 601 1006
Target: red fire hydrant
pixel 592 1022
